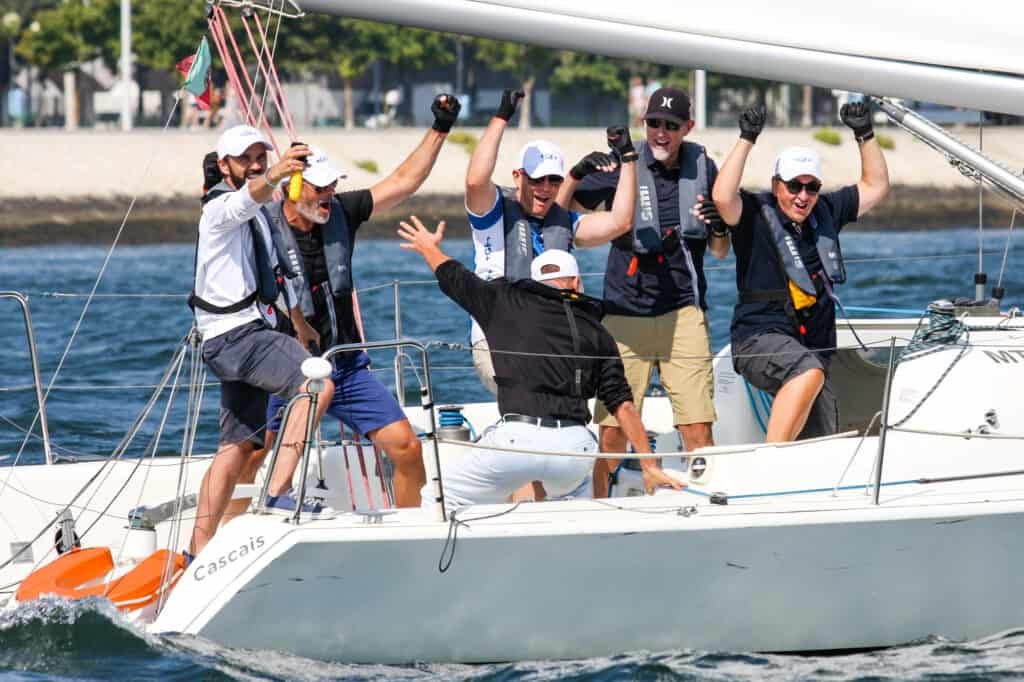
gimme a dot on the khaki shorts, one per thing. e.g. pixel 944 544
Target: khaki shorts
pixel 679 345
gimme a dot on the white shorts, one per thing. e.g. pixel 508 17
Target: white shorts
pixel 491 476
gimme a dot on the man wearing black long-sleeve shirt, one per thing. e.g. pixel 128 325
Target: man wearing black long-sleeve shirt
pixel 551 355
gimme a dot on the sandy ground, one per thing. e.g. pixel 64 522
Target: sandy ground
pixel 150 163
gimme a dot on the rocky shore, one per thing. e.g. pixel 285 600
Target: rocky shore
pixel 76 187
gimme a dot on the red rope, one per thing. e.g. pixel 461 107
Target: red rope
pixel 229 66
pixel 275 95
pixel 286 114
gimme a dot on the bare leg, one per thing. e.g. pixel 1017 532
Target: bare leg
pixel 612 439
pixel 294 436
pixel 792 405
pixel 695 435
pixel 217 487
pixel 406 451
pixel 248 475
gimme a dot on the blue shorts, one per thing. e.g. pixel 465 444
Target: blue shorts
pixel 360 400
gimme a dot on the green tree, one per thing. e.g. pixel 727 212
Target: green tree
pixel 166 31
pixel 526 62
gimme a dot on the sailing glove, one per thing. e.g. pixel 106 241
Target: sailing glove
pixel 509 102
pixel 857 115
pixel 707 212
pixel 752 123
pixel 621 144
pixel 591 163
pixel 446 110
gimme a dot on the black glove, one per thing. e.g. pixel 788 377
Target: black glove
pixel 445 109
pixel 752 123
pixel 857 115
pixel 591 163
pixel 621 144
pixel 509 102
pixel 707 212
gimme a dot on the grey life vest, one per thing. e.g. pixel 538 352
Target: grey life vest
pixel 693 180
pixel 337 253
pixel 266 277
pixel 826 239
pixel 556 229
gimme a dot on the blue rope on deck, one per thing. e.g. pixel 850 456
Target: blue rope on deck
pixel 884 311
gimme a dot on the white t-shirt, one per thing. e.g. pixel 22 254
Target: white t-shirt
pixel 226 262
pixel 489 246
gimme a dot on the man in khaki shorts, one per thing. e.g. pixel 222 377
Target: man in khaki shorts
pixel 654 285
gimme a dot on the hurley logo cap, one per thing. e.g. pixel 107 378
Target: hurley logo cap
pixel 796 161
pixel 668 104
pixel 319 170
pixel 552 264
pixel 540 158
pixel 234 141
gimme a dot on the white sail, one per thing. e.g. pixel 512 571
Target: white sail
pixel 918 49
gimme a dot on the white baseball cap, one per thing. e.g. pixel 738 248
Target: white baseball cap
pixel 234 141
pixel 319 170
pixel 796 161
pixel 540 158
pixel 559 263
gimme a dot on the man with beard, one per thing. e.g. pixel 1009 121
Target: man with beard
pixel 512 225
pixel 318 232
pixel 233 298
pixel 787 261
pixel 654 285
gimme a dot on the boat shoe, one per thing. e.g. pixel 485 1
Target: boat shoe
pixel 287 502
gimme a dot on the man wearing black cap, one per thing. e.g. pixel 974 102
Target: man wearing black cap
pixel 654 285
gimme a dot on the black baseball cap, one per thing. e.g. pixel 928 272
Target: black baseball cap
pixel 669 104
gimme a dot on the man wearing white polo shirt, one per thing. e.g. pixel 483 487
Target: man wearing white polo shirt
pixel 233 300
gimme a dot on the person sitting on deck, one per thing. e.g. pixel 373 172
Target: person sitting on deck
pixel 318 232
pixel 552 355
pixel 512 225
pixel 787 261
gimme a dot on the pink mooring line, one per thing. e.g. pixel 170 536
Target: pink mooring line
pixel 220 42
pixel 238 57
pixel 275 94
pixel 287 114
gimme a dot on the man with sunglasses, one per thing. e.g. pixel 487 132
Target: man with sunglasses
pixel 512 225
pixel 318 232
pixel 654 286
pixel 787 261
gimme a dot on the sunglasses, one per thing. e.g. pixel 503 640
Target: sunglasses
pixel 326 188
pixel 795 186
pixel 551 179
pixel 657 123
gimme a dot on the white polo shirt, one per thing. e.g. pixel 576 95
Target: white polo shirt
pixel 226 262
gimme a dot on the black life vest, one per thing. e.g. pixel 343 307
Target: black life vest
pixel 556 229
pixel 693 180
pixel 266 291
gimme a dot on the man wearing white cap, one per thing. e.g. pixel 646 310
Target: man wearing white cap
pixel 233 299
pixel 318 233
pixel 787 261
pixel 512 225
pixel 548 342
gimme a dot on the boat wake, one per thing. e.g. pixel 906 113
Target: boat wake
pixel 90 639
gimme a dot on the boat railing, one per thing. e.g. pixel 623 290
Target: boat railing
pixel 433 463
pixel 34 357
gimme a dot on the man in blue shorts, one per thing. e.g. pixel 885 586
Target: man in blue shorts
pixel 318 233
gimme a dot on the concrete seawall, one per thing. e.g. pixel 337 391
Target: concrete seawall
pixel 82 182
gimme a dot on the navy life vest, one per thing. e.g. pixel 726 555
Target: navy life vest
pixel 556 230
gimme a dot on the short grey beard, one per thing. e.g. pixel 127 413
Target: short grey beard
pixel 311 213
pixel 659 153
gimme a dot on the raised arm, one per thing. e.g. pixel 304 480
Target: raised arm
pixel 412 172
pixel 594 162
pixel 598 228
pixel 874 174
pixel 726 192
pixel 480 189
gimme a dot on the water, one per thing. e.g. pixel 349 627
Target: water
pixel 124 345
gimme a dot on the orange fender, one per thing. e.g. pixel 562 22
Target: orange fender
pixel 67 575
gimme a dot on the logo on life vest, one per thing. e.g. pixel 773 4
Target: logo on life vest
pixel 794 252
pixel 524 246
pixel 646 208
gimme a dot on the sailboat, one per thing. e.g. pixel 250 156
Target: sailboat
pixel 904 525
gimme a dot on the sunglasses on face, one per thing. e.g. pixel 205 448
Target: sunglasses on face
pixel 326 188
pixel 657 123
pixel 550 179
pixel 795 186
